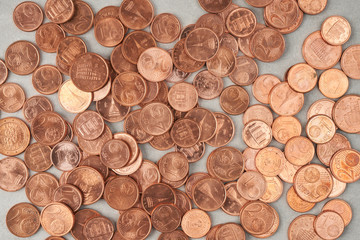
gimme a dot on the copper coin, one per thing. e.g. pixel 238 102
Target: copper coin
pixel 311 7
pixel 37 157
pixel 346 113
pixel 121 193
pixel 214 6
pixel 93 147
pixel 244 15
pixel 175 184
pixel 234 100
pixel 146 175
pixel 59 11
pixel 286 127
pixel 12 97
pixel 134 224
pixel 185 132
pixel 259 3
pixel 69 195
pixel 89 72
pixel 338 187
pixel 257 134
pixel 329 225
pixel 132 126
pixel 213 22
pixel 162 142
pixel 177 234
pixel 173 166
pixel 270 161
pixel 299 150
pixel 3 72
pixel 94 162
pixel 98 228
pixel 302 77
pixel 267 45
pixel 82 20
pixel 322 106
pixel 249 159
pixel 246 71
pixel 155 194
pixel 206 121
pixel 296 203
pixel 88 125
pixel 302 226
pixel 22 57
pixel 251 185
pixel 40 188
pixel 152 90
pixel 345 165
pixel 48 37
pixel 341 207
pixel 326 150
pixel 185 31
pixel 260 212
pixel 155 64
pixel 136 14
pixel 209 194
pixel 274 189
pixel 14 174
pixel 176 74
pixel 115 153
pixel 48 128
pixel 258 112
pixel 279 17
pixel 102 92
pixel 223 63
pixel 182 201
pixel 229 41
pixel 106 12
pixel 165 28
pixel 336 30
pixel 230 231
pixel 273 228
pixel 47 79
pixel 319 54
pixel 244 42
pixel 349 62
pixel 284 100
pixel 111 110
pixel 81 217
pixel 135 43
pixel 333 83
pixel 296 23
pixel 196 223
pixel 130 168
pixel 192 180
pixel 225 13
pixel 65 156
pixel 63 177
pixel 109 32
pixel 68 50
pixel 166 217
pixel 182 61
pixel 313 183
pixel 225 163
pixel 320 129
pixel 262 87
pixel 234 201
pixel 23 220
pixel 183 97
pixel 28 16
pixel 207 85
pixel 129 89
pixel 119 63
pixel 202 44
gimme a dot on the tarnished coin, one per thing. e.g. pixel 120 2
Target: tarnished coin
pixel 165 28
pixel 207 85
pixel 34 106
pixel 119 63
pixel 28 16
pixel 302 226
pixel 111 110
pixel 296 203
pixel 134 224
pixel 234 100
pixel 274 189
pixel 274 12
pixel 302 77
pixel 270 161
pixel 258 112
pixel 65 156
pixel 267 45
pixel 196 223
pixel 40 188
pixel 69 195
pixel 82 20
pixel 322 106
pixel 93 147
pixel 59 11
pixel 284 100
pixel 166 217
pixel 155 194
pixel 262 87
pixel 131 47
pixel 132 127
pixel 183 97
pixel 257 134
pixel 234 201
pixel 12 97
pixel 346 113
pixel 202 44
pixel 156 118
pixel 285 128
pixel 251 185
pixel 72 99
pixel 99 228
pixel 186 30
pixel 115 153
pixel 14 174
pixel 23 220
pixel 109 32
pixel 37 157
pixel 136 14
pixel 206 121
pixel 81 217
pixel 185 132
pixel 245 72
pixel 173 166
pixel 49 36
pixel 313 183
pixel 89 181
pixel 299 150
pixel 345 165
pixel 146 175
pixel 209 194
pixel 223 63
pixel 88 125
pixel 320 129
pixel 319 54
pixel 311 7
pixel 336 30
pixel 325 151
pixel 349 62
pixel 341 207
pixel 244 15
pixel 333 83
pixel 329 225
pixel 182 61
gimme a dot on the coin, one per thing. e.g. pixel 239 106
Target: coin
pixel 322 106
pixel 173 166
pixel 177 234
pixel 119 63
pixel 40 188
pixel 206 121
pixel 14 174
pixel 326 150
pixel 251 185
pixel 69 195
pixel 165 28
pixel 72 99
pixel 336 30
pixel 262 86
pixel 296 203
pixel 48 36
pixel 249 158
pixel 214 6
pixel 12 97
pixel 299 150
pixel 288 172
pixel 111 110
pixel 296 23
pixel 319 54
pixel 136 14
pixel 192 180
pixel 185 132
pixel 134 224
pixel 309 7
pixel 176 74
pixel 82 20
pixel 302 77
pixel 196 223
pixel 329 225
pixel 155 194
pixel 59 11
pixel 285 101
pixel 320 129
pixel 175 184
pixel 183 97
pixel 333 83
pixel 131 167
pixel 182 61
pixel 223 63
pixel 341 207
pixel 23 220
pixel 207 85
pixel 234 201
pixel 94 162
pixel 244 42
pixel 185 31
pixel 244 15
pixel 129 89
pixel 156 118
pixel 152 90
pixel 285 128
pixel 37 157
pixel 257 134
pixel 132 126
pixel 229 41
pixel 258 112
pixel 3 72
pixel 14 137
pixel 166 218
pixel 313 183
pixel 89 181
pixel 345 113
pixel 259 3
pixel 246 71
pixel 93 147
pixel 345 165
pixel 201 44
pixel 231 231
pixel 109 32
pixel 98 227
pixel 225 163
pixel 274 189
pixel 211 21
pixel 162 142
pixel 146 175
pixel 209 194
pixel 274 12
pixel 28 16
pixel 338 188
pixel 270 161
pixel 46 79
pixel 349 62
pixel 81 217
pixel 234 100
pixel 65 156
pixel 115 153
pixel 270 40
pixel 88 125
pixel 301 226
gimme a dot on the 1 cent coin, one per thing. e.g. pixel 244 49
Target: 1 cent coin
pixel 115 153
pixel 155 194
pixel 82 20
pixel 322 106
pixel 246 71
pixel 173 166
pixel 59 11
pixel 311 7
pixel 336 30
pixel 49 36
pixel 225 130
pixel 166 218
pixel 202 44
pixel 285 128
pixel 88 125
pixel 14 174
pixel 146 175
pixel 156 118
pixel 3 72
pixel 109 32
pixel 346 113
pixel 23 220
pixel 81 217
pixel 40 188
pixel 185 132
pixel 284 100
pixel 165 28
pixel 262 86
pixel 244 15
pixel 99 228
pixel 72 99
pixel 302 77
pixel 230 231
pixel 299 150
pixel 111 110
pixel 65 156
pixel 257 134
pixel 251 185
pixel 270 161
pixel 69 195
pixel 258 112
pixel 35 105
pixel 183 97
pixel 37 157
pixel 214 6
pixel 206 120
pixel 183 61
pixel 93 147
pixel 320 129
pixel 207 85
pixel 223 64
pixel 132 127
pixel 136 14
pixel 349 62
pixel 329 225
pixel 333 83
pixel 325 151
pixel 341 207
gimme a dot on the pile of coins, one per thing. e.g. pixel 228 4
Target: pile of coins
pixel 108 165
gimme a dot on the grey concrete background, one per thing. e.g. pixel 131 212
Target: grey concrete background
pixel 188 11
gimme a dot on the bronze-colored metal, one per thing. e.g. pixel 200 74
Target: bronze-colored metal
pixel 269 39
pixel 322 106
pixel 72 99
pixel 262 87
pixel 333 83
pixel 162 142
pixel 82 20
pixel 59 11
pixel 274 189
pixel 49 36
pixel 134 224
pixel 22 57
pixel 296 203
pixel 274 12
pixel 183 97
pixel 196 223
pixel 132 127
pixel 345 165
pixel 14 174
pixel 209 194
pixel 320 129
pixel 12 97
pixel 202 44
pixel 229 41
pixel 325 151
pixel 308 7
pixel 251 185
pixel 249 159
pixel 182 61
pixel 302 77
pixel 301 226
pixel 111 110
pixel 346 114
pixel 207 85
pixel 185 132
pixel 270 161
pixel 65 156
pixel 131 167
pixel 230 231
pixel 109 32
pixel 88 125
pixel 246 71
pixel 214 6
pixel 225 130
pixel 34 106
pixel 155 194
pixel 156 118
pixel 40 188
pixel 213 22
pixel 234 100
pixel 329 225
pixel 94 162
pixel 234 201
pixel 146 175
pixel 173 166
pixel 223 63
pixel 286 127
pixel 3 72
pixel 136 14
pixel 99 228
pixel 258 112
pixel 299 150
pixel 28 16
pixel 93 147
pixel 349 62
pixel 177 234
pixel 288 172
pixel 259 3
pixel 166 217
pixel 285 101
pixel 244 15
pixel 339 36
pixel 257 134
pixel 81 217
pixel 244 43
pixel 69 195
pixel 341 207
pixel 165 28
pixel 37 157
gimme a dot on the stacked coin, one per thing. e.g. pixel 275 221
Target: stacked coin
pixel 111 166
